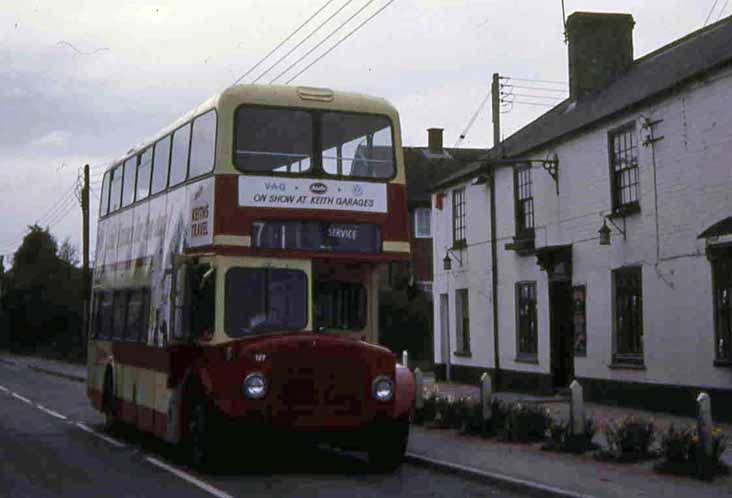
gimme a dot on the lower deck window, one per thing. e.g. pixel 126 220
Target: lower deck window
pixel 340 306
pixel 265 300
pixel 628 315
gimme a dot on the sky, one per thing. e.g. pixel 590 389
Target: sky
pixel 84 81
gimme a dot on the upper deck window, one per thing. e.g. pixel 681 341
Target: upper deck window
pixel 179 155
pixel 273 140
pixel 316 143
pixel 203 144
pixel 161 160
pixel 144 168
pixel 115 197
pixel 357 145
pixel 128 188
pixel 104 199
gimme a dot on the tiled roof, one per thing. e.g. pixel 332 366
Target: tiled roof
pixel 424 169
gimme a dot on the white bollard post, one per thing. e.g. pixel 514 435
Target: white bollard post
pixel 704 423
pixel 418 389
pixel 486 396
pixel 577 409
pixel 405 358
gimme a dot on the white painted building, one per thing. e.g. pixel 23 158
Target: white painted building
pixel 642 148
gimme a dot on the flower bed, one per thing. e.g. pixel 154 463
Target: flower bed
pixel 560 437
pixel 629 439
pixel 682 453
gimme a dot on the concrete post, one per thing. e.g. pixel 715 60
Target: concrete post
pixel 577 409
pixel 405 358
pixel 704 423
pixel 486 396
pixel 418 389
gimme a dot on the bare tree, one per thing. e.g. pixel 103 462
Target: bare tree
pixel 69 252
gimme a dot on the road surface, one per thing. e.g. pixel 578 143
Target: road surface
pixel 52 445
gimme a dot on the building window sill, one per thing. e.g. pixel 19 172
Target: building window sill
pixel 723 363
pixel 527 358
pixel 624 365
pixel 522 244
pixel 626 210
pixel 462 354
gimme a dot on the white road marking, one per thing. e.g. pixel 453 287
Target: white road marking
pixel 187 477
pixel 91 431
pixel 21 398
pixel 4 389
pixel 50 412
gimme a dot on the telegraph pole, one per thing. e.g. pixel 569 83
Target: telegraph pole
pixel 85 249
pixel 85 228
pixel 496 94
pixel 496 98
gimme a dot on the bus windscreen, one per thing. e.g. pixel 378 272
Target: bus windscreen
pixel 265 300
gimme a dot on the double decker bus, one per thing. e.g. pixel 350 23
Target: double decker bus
pixel 235 288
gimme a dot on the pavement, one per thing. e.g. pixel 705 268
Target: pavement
pixel 507 469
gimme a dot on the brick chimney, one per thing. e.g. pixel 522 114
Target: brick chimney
pixel 434 140
pixel 600 50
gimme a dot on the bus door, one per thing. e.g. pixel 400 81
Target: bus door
pixel 193 297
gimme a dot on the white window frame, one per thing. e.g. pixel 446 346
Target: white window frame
pixel 420 234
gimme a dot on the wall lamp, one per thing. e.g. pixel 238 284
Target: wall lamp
pixel 447 262
pixel 605 231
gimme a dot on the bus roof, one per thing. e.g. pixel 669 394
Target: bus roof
pixel 283 95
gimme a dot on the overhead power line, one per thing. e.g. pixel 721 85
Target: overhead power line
pixel 473 118
pixel 545 97
pixel 289 52
pixel 56 203
pixel 320 43
pixel 288 38
pixel 538 88
pixel 721 11
pixel 710 12
pixel 341 40
pixel 61 214
pixel 531 103
pixel 548 82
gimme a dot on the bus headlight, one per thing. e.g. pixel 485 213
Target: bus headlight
pixel 255 385
pixel 382 389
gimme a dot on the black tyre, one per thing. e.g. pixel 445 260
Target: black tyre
pixel 200 434
pixel 389 444
pixel 109 404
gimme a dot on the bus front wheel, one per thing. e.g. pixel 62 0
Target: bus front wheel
pixel 109 406
pixel 200 433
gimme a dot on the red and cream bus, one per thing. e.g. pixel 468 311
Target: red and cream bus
pixel 235 283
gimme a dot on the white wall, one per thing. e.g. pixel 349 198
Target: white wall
pixel 694 188
pixel 473 274
pixel 693 184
